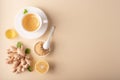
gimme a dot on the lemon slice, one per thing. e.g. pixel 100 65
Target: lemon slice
pixel 42 66
pixel 10 33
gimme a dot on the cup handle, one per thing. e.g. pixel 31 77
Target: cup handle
pixel 45 21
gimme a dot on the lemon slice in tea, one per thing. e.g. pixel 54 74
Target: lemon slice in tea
pixel 10 33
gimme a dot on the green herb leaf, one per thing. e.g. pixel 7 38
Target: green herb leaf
pixel 19 44
pixel 29 68
pixel 27 51
pixel 25 11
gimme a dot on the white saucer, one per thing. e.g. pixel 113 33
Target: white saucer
pixel 29 35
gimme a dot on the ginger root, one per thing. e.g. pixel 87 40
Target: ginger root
pixel 18 58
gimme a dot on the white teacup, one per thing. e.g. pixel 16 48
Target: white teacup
pixel 31 22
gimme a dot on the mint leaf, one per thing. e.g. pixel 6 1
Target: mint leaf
pixel 27 51
pixel 19 44
pixel 25 11
pixel 29 68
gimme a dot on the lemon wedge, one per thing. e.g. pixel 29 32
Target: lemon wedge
pixel 42 66
pixel 10 33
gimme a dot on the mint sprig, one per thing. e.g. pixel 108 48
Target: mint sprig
pixel 19 44
pixel 25 11
pixel 29 68
pixel 27 51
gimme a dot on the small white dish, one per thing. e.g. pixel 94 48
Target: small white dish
pixel 26 34
pixel 36 52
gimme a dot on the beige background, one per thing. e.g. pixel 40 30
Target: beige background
pixel 86 40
